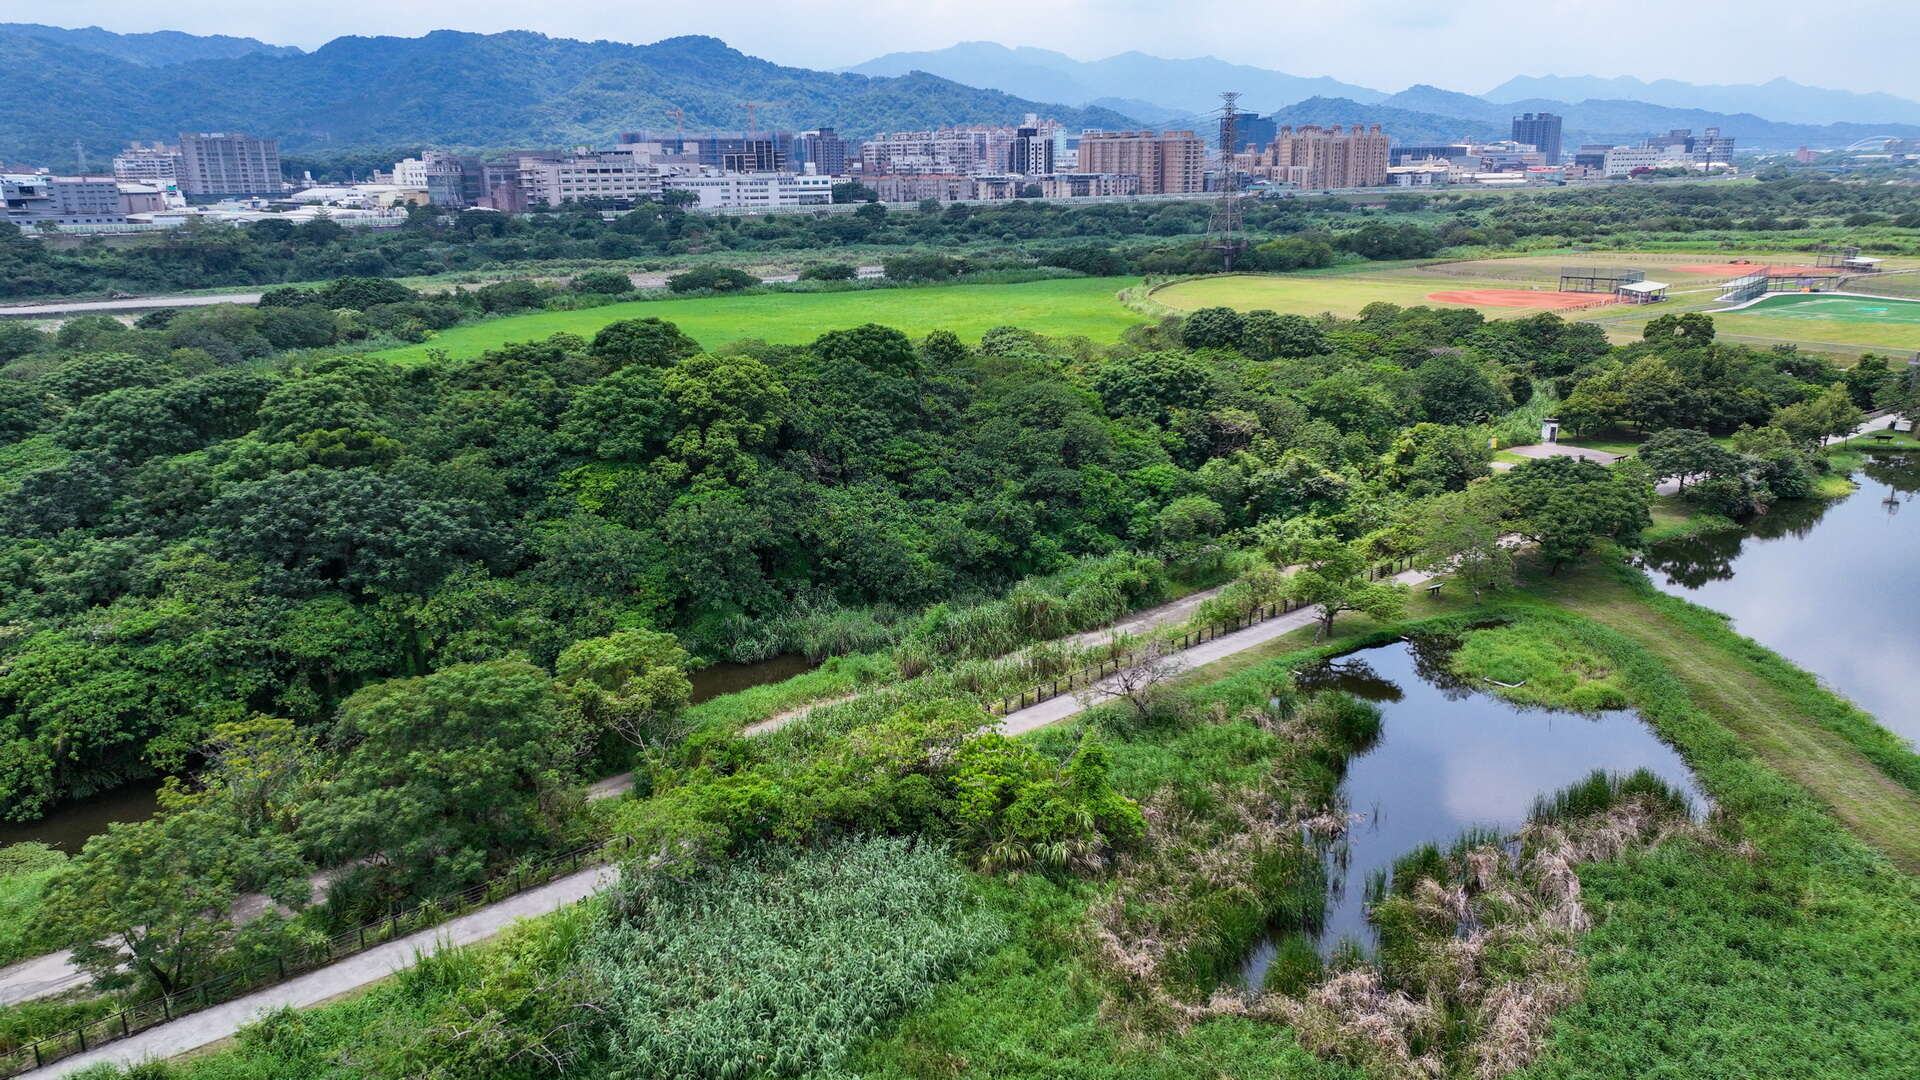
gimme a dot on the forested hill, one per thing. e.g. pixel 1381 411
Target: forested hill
pixel 458 89
pixel 154 49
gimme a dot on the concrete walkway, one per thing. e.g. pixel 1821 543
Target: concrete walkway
pixel 1054 710
pixel 54 973
pixel 211 1025
pixel 1175 611
pixel 41 976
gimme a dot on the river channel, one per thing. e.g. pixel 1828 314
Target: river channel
pixel 1832 585
pixel 71 824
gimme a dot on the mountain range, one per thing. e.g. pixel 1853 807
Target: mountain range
pixel 1174 87
pixel 462 90
pixel 488 91
pixel 1779 99
pixel 154 49
pixel 1181 93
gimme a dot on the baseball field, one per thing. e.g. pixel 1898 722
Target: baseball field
pixel 1529 285
pixel 1885 319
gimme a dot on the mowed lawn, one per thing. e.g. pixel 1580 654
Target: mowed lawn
pixel 1340 294
pixel 1070 307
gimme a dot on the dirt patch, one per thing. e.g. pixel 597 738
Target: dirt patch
pixel 1743 269
pixel 1523 298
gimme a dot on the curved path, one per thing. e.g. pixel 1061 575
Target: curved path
pixel 54 973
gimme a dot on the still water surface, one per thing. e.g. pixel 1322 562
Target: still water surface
pixel 1833 585
pixel 1451 758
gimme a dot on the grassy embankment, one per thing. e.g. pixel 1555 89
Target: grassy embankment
pixel 1066 307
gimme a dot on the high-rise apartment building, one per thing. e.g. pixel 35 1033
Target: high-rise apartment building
pixel 823 149
pixel 1541 131
pixel 1325 158
pixel 1713 147
pixel 148 163
pixel 1031 152
pixel 1166 162
pixel 223 163
pixel 1249 129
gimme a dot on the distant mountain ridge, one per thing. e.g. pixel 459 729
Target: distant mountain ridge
pixel 1176 86
pixel 463 90
pixel 1780 113
pixel 154 49
pixel 1779 99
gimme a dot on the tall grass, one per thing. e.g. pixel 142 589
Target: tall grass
pixel 777 964
pixel 25 870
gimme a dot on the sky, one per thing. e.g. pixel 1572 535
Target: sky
pixel 1468 45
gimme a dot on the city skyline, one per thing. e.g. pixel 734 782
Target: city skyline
pixel 1405 43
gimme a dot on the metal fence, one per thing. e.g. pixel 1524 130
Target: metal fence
pixel 233 984
pixel 1087 675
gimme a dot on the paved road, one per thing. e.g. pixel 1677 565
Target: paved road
pixel 64 308
pixel 1054 710
pixel 212 1025
pixel 136 303
pixel 1172 612
pixel 42 976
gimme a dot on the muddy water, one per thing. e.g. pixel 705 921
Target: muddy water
pixel 69 825
pixel 1451 758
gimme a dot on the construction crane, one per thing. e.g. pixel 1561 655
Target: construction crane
pixel 752 107
pixel 679 128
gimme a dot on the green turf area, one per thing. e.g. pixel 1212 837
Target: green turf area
pixel 1083 307
pixel 1848 309
pixel 1815 318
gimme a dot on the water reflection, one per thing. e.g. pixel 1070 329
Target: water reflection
pixel 1451 758
pixel 1831 584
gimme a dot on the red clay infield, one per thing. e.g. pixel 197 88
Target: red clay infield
pixel 1533 298
pixel 1741 269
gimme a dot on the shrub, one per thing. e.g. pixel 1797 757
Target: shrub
pixel 830 272
pixel 712 278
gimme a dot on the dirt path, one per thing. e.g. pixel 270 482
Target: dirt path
pixel 1878 809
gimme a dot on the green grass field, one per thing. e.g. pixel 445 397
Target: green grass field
pixel 1083 307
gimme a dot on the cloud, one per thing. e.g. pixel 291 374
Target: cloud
pixel 1468 45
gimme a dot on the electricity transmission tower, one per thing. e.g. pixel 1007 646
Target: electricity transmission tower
pixel 1226 231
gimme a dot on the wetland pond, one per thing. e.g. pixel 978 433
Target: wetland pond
pixel 1832 585
pixel 1451 758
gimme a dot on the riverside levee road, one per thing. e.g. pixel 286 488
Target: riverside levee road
pixel 222 1021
